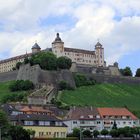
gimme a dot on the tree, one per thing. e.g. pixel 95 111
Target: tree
pixel 18 65
pixel 18 133
pixel 95 133
pixel 126 71
pixel 64 62
pixel 87 134
pixel 104 132
pixel 76 132
pixel 26 60
pixel 4 125
pixel 114 133
pixel 114 125
pixel 138 72
pixel 46 60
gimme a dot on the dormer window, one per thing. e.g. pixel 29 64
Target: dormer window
pixel 81 117
pixel 90 116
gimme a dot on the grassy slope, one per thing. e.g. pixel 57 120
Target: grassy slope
pixel 4 90
pixel 105 95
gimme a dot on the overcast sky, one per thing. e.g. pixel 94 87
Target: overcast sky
pixel 116 23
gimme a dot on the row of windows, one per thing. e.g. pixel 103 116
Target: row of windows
pixel 55 134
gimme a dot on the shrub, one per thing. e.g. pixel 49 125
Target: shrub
pixel 82 80
pixel 13 97
pixel 104 132
pixel 114 133
pixel 21 85
pixel 87 134
pixel 95 133
pixel 63 85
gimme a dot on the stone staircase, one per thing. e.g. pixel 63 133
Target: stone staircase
pixel 42 96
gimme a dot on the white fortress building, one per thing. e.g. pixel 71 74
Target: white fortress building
pixel 79 56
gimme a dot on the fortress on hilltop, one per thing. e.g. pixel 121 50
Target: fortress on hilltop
pixel 78 56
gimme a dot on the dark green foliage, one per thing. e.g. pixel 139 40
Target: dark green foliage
pixel 114 133
pixel 14 97
pixel 104 132
pixel 114 125
pixel 138 72
pixel 87 134
pixel 126 132
pixel 18 65
pixel 64 62
pixel 126 71
pixel 18 133
pixel 63 85
pixel 76 132
pixel 26 60
pixel 82 80
pixel 20 85
pixel 14 68
pixel 95 133
pixel 46 60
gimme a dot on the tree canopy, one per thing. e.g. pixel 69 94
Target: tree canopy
pixel 64 62
pixel 46 60
pixel 138 72
pixel 126 71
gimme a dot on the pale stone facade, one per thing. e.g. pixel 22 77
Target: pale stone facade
pixel 79 56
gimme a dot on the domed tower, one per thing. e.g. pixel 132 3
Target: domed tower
pixel 58 46
pixel 36 48
pixel 99 52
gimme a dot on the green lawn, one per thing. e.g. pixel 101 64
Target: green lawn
pixel 4 90
pixel 105 95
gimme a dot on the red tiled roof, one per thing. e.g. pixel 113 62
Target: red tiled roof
pixel 115 112
pixel 34 109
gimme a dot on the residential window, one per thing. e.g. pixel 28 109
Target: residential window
pixel 41 134
pixel 28 122
pixel 98 122
pixel 74 122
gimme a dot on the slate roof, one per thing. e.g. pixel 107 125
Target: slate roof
pixel 82 113
pixel 8 108
pixel 98 44
pixel 33 117
pixel 15 58
pixel 79 51
pixel 36 46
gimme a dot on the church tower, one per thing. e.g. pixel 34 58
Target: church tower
pixel 58 46
pixel 99 52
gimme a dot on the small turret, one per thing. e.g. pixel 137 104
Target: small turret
pixel 36 48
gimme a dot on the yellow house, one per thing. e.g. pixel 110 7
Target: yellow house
pixel 48 132
pixel 44 126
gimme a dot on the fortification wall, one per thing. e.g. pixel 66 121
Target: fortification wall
pixel 53 77
pixel 27 72
pixel 8 76
pixel 115 79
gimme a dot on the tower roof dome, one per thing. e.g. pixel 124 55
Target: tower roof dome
pixel 57 39
pixel 36 46
pixel 98 44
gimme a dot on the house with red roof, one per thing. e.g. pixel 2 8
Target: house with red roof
pixel 121 116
